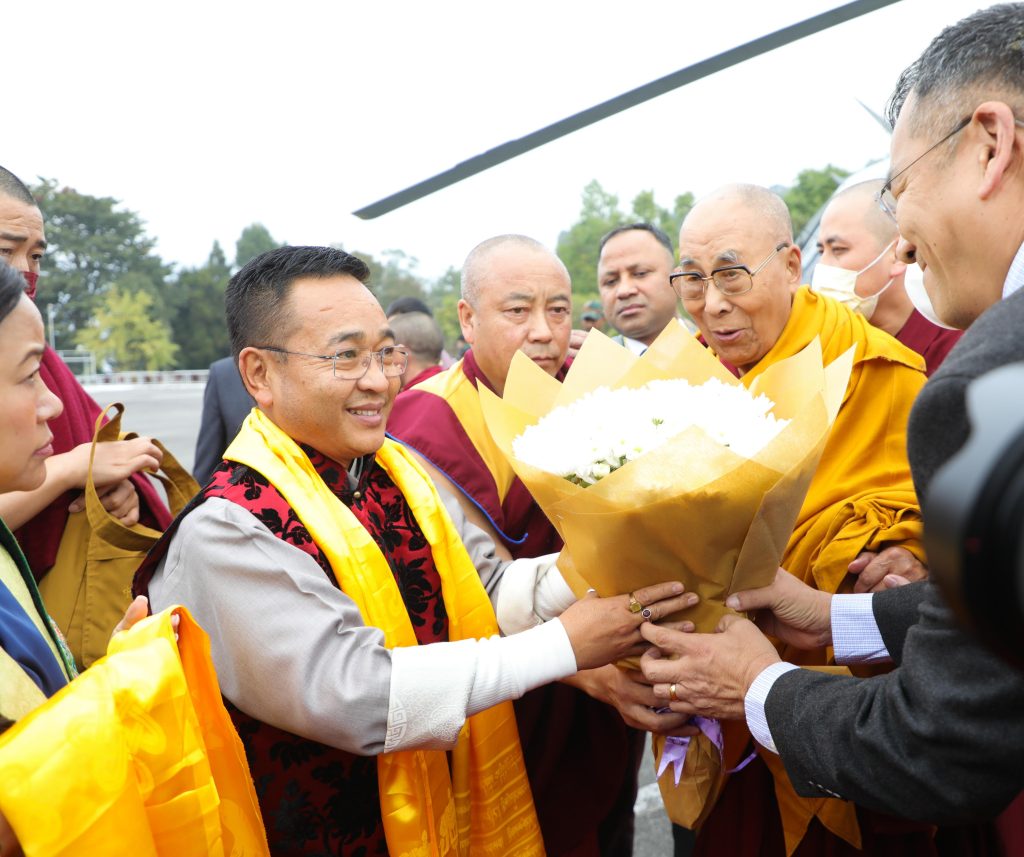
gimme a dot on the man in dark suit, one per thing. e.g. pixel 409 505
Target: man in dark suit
pixel 226 404
pixel 941 737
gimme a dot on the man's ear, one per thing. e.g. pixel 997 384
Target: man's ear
pixel 467 317
pixel 793 266
pixel 254 369
pixel 998 134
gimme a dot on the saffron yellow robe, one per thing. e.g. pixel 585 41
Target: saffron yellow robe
pixel 861 499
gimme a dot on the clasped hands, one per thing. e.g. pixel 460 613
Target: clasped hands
pixel 710 674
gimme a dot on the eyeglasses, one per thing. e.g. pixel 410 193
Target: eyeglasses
pixel 351 364
pixel 885 198
pixel 731 281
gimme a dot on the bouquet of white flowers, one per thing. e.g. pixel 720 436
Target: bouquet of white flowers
pixel 666 466
pixel 588 439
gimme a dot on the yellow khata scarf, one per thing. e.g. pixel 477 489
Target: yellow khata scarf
pixel 135 757
pixel 462 396
pixel 484 806
pixel 861 498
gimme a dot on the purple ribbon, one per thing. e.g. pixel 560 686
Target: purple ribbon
pixel 674 751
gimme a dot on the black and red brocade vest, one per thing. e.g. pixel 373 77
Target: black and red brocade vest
pixel 316 799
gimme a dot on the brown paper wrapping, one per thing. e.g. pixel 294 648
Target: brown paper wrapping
pixel 692 509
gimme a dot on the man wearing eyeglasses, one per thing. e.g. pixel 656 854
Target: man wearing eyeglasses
pixel 739 278
pixel 940 737
pixel 349 611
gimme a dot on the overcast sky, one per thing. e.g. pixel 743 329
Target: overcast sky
pixel 205 117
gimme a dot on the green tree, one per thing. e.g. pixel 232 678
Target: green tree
pixel 196 299
pixel 579 246
pixel 443 301
pixel 126 334
pixel 92 243
pixel 393 277
pixel 255 239
pixel 811 191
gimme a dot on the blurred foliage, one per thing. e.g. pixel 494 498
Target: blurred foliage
pixel 125 333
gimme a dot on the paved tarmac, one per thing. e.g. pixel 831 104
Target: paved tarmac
pixel 171 412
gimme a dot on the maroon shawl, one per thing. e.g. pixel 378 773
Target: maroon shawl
pixel 929 340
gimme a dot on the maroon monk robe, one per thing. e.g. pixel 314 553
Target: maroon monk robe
pixel 41 536
pixel 581 758
pixel 429 372
pixel 929 340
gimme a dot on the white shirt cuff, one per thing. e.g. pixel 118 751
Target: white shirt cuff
pixel 855 635
pixel 757 695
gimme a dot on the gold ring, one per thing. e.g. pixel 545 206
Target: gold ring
pixel 634 605
pixel 672 693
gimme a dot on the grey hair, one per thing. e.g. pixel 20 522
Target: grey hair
pixel 474 269
pixel 877 221
pixel 420 333
pixel 969 61
pixel 766 204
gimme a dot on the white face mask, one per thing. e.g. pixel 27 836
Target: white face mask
pixel 841 285
pixel 914 283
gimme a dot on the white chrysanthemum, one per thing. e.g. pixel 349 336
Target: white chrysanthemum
pixel 602 430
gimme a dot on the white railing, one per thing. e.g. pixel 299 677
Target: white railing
pixel 173 376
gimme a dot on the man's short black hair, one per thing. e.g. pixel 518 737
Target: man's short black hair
pixel 410 303
pixel 661 237
pixel 255 297
pixel 12 287
pixel 12 186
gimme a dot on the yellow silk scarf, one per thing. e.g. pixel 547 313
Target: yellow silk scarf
pixel 484 806
pixel 861 498
pixel 461 394
pixel 137 756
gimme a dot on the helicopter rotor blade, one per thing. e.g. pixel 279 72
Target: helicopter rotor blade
pixel 726 59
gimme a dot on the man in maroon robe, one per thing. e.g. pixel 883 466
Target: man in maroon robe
pixel 38 517
pixel 855 234
pixel 581 757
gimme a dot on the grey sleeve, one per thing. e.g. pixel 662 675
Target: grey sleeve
pixel 290 648
pixel 896 611
pixel 938 739
pixel 478 545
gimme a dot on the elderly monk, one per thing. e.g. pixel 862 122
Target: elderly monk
pixel 858 267
pixel 739 278
pixel 349 610
pixel 516 296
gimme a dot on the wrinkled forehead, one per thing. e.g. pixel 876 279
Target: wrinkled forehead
pixel 20 217
pixel 523 273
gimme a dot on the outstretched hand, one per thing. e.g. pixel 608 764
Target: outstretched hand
pixel 136 612
pixel 604 630
pixel 710 673
pixel 629 693
pixel 121 500
pixel 789 609
pixel 115 461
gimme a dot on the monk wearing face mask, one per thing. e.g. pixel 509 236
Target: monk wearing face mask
pixel 859 268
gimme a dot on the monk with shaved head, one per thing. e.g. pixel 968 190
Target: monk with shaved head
pixel 581 755
pixel 859 266
pixel 860 525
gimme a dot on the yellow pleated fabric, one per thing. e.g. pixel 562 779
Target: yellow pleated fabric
pixel 484 806
pixel 861 498
pixel 136 757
